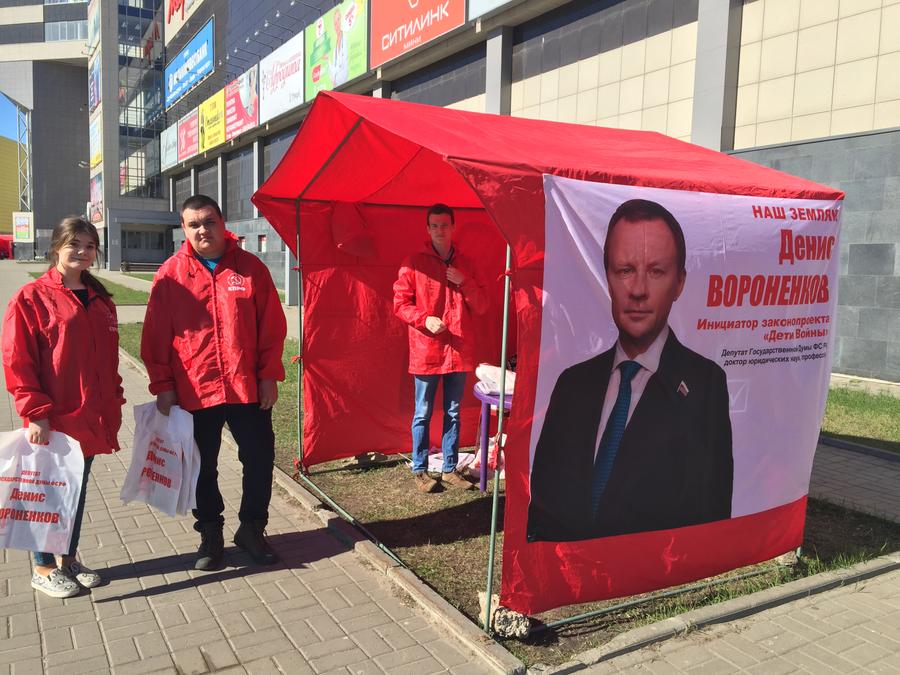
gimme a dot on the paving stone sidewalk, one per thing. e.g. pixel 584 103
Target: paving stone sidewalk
pixel 321 611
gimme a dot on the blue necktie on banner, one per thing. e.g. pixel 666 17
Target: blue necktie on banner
pixel 612 435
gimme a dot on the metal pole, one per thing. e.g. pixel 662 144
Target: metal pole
pixel 500 416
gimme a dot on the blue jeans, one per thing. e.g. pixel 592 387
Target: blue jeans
pixel 48 559
pixel 426 388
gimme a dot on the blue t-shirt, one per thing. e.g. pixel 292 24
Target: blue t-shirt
pixel 209 263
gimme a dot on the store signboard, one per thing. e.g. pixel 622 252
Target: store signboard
pixel 481 7
pixel 93 21
pixel 177 12
pixel 95 210
pixel 281 79
pixel 95 140
pixel 242 103
pixel 188 140
pixel 399 26
pixel 168 141
pixel 94 83
pixel 191 65
pixel 336 47
pixel 212 121
pixel 23 226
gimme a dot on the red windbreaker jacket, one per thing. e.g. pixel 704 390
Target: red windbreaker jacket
pixel 212 336
pixel 61 361
pixel 422 290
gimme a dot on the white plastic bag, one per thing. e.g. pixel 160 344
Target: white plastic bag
pixel 39 490
pixel 165 461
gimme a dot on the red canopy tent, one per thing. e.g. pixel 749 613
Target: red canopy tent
pixel 349 198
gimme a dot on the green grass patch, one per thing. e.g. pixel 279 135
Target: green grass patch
pixel 122 295
pixel 864 418
pixel 146 276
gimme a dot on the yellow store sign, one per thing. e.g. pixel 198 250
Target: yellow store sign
pixel 212 121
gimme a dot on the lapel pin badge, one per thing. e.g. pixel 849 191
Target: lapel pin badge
pixel 683 389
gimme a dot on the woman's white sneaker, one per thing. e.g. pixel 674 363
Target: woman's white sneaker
pixel 83 576
pixel 56 584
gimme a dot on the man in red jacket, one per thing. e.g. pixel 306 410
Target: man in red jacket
pixel 212 343
pixel 437 294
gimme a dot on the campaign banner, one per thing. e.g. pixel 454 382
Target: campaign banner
pixel 281 79
pixel 94 84
pixel 23 226
pixel 336 47
pixel 212 121
pixel 676 329
pixel 399 26
pixel 93 22
pixel 188 136
pixel 95 140
pixel 176 14
pixel 96 208
pixel 479 8
pixel 191 65
pixel 168 141
pixel 242 103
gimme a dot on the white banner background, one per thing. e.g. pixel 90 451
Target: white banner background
pixel 281 79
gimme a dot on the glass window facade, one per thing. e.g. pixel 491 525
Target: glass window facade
pixel 182 190
pixel 141 117
pixel 239 184
pixel 208 179
pixel 65 2
pixel 275 148
pixel 57 31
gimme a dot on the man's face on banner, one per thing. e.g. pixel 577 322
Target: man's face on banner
pixel 644 281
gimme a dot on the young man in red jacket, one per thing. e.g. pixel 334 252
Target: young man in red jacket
pixel 212 343
pixel 437 294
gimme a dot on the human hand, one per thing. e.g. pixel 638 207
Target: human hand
pixel 39 432
pixel 435 325
pixel 454 276
pixel 268 393
pixel 165 400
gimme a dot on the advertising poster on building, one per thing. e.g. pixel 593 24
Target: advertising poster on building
pixel 479 8
pixel 176 13
pixel 96 208
pixel 718 310
pixel 95 140
pixel 191 65
pixel 94 84
pixel 188 136
pixel 152 157
pixel 168 141
pixel 399 27
pixel 281 79
pixel 212 121
pixel 242 103
pixel 23 226
pixel 336 47
pixel 93 22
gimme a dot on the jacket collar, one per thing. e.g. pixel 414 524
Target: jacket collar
pixel 53 279
pixel 429 249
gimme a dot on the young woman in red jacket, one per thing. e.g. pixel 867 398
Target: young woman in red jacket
pixel 61 360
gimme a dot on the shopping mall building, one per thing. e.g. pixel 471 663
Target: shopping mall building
pixel 188 96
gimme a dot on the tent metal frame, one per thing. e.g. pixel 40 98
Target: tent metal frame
pixel 495 498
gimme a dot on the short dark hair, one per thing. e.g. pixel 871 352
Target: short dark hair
pixel 197 202
pixel 438 210
pixel 637 210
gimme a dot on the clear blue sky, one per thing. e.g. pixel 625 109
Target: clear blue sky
pixel 7 118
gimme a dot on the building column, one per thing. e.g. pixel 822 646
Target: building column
pixel 221 169
pixel 194 181
pixel 258 169
pixel 498 71
pixel 173 207
pixel 383 89
pixel 716 73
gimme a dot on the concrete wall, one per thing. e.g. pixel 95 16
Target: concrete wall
pixel 867 168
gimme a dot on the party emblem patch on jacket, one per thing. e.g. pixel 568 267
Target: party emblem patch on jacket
pixel 236 282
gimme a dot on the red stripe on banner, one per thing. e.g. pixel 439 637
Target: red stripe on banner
pixel 543 575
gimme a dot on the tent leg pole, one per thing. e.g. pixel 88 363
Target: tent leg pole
pixel 302 469
pixel 500 417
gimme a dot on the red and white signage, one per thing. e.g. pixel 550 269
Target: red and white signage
pixel 188 135
pixel 399 26
pixel 242 104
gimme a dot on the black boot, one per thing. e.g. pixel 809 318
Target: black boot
pixel 211 553
pixel 251 537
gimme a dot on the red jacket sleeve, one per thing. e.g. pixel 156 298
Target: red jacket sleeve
pixel 156 338
pixel 22 362
pixel 474 293
pixel 405 298
pixel 271 326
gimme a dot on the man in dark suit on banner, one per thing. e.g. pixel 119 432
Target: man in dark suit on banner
pixel 637 438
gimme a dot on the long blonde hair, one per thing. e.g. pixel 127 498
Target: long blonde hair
pixel 65 232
